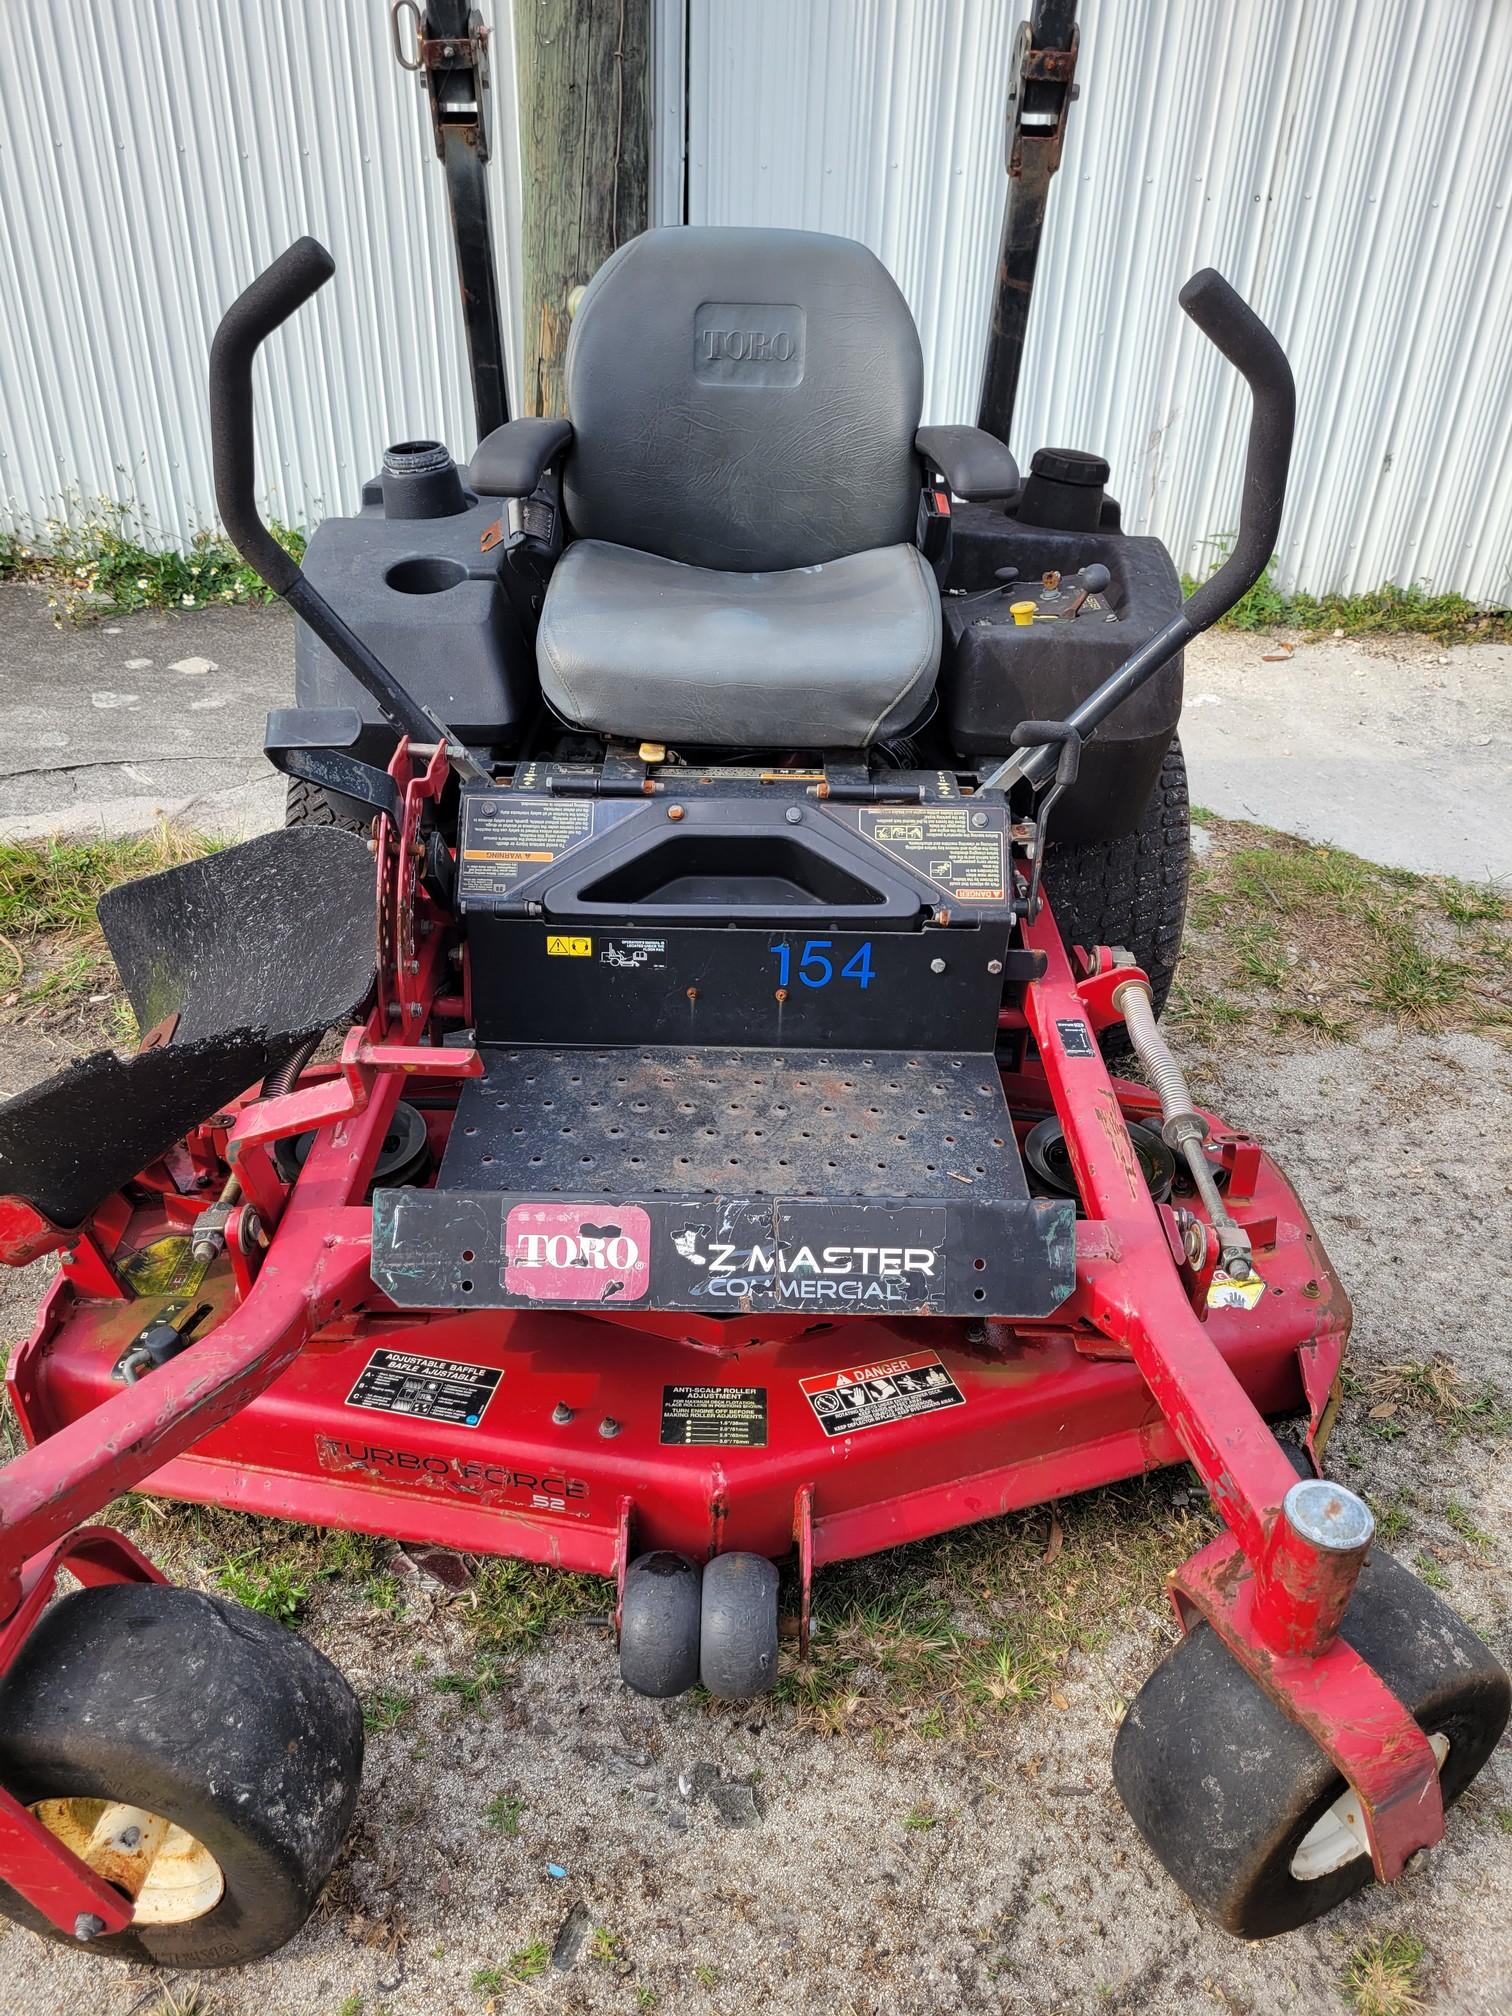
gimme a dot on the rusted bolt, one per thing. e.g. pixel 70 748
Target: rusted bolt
pixel 994 965
pixel 781 994
pixel 674 812
pixel 692 993
pixel 609 1427
pixel 561 1414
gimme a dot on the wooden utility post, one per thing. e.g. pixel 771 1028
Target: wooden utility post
pixel 583 74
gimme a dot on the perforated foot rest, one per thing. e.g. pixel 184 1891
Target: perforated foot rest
pixel 729 1182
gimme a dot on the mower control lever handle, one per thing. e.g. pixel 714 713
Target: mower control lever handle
pixel 1228 321
pixel 1233 327
pixel 257 311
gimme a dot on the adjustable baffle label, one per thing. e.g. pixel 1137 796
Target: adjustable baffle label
pixel 959 848
pixel 872 1396
pixel 509 836
pixel 427 1389
pixel 718 1417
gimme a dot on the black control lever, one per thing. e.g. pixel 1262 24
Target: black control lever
pixel 1045 735
pixel 1232 325
pixel 271 299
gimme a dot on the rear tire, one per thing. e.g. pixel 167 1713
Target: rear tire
pixel 308 805
pixel 209 1715
pixel 1131 891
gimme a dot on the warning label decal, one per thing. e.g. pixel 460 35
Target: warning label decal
pixel 719 1417
pixel 1225 1293
pixel 942 843
pixel 428 1389
pixel 509 836
pixel 872 1396
pixel 166 1267
pixel 1076 1037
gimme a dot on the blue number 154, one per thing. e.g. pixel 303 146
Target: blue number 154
pixel 817 969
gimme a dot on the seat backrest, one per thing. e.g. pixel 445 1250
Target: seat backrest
pixel 743 399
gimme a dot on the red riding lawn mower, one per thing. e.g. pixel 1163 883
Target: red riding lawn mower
pixel 648 1113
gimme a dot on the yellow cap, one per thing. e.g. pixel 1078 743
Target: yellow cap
pixel 653 752
pixel 1022 612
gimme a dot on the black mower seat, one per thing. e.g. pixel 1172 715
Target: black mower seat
pixel 835 655
pixel 743 486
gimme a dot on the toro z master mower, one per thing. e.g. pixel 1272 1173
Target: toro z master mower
pixel 648 1113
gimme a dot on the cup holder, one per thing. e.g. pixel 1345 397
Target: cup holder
pixel 425 574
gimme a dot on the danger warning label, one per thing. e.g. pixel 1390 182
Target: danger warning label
pixel 428 1389
pixel 871 1396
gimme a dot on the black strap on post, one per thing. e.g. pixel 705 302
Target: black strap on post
pixel 450 55
pixel 1040 91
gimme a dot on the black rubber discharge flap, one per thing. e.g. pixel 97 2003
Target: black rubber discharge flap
pixel 254 949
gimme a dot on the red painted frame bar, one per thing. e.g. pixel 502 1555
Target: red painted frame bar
pixel 1141 1303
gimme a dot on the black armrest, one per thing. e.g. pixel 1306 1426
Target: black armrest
pixel 975 464
pixel 514 458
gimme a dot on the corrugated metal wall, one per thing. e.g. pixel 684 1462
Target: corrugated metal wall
pixel 155 154
pixel 1348 164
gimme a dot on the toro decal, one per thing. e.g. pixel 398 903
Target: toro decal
pixel 577 1252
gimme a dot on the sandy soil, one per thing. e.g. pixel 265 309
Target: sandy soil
pixel 741 1861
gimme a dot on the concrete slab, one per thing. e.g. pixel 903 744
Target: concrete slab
pixel 1394 748
pixel 105 727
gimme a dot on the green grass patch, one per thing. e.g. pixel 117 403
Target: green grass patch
pixel 274 1587
pixel 1381 1977
pixel 946 1637
pixel 515 1603
pixel 52 953
pixel 503 1813
pixel 1387 610
pixel 1285 936
pixel 384 1710
pixel 105 558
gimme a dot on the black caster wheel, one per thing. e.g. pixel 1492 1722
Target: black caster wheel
pixel 738 1639
pixel 659 1613
pixel 1241 1806
pixel 215 1748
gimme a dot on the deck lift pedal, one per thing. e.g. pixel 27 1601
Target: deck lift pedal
pixel 648 1113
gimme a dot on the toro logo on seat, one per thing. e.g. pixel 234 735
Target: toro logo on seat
pixel 577 1252
pixel 748 343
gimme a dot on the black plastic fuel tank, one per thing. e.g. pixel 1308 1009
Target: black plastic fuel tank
pixel 997 671
pixel 412 577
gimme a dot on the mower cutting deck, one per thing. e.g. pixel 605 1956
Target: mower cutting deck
pixel 716 1163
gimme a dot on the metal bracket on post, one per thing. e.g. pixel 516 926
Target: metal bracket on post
pixel 1041 86
pixel 449 53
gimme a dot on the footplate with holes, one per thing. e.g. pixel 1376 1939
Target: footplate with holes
pixel 728 1182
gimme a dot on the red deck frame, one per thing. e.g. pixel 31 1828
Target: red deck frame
pixel 1135 1371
